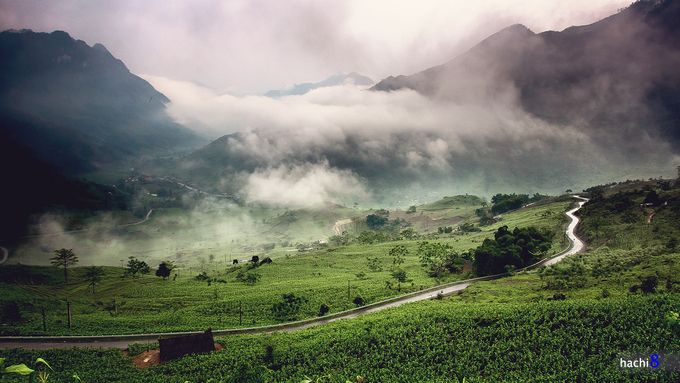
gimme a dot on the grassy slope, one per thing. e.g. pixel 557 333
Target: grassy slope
pixel 321 277
pixel 573 340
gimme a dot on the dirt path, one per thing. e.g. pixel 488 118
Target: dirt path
pixel 649 219
pixel 338 224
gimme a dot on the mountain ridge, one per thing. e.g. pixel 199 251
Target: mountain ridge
pixel 53 79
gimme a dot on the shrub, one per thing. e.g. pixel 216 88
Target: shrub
pixel 202 277
pixel 649 284
pixel 323 309
pixel 288 307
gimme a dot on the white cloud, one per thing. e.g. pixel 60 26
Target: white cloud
pixel 303 185
pixel 250 47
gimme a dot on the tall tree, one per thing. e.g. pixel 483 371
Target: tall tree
pixel 135 266
pixel 165 269
pixel 94 275
pixel 65 258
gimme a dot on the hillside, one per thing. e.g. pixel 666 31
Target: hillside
pixel 506 329
pixel 613 80
pixel 58 94
pixel 520 111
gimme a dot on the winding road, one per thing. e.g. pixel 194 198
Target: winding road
pixel 122 341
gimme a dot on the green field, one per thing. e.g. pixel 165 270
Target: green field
pixel 615 297
pixel 150 304
pixel 431 341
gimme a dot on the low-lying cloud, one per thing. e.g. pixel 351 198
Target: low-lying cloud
pixel 302 147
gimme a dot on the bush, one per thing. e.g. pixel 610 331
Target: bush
pixel 202 277
pixel 649 284
pixel 252 278
pixel 359 301
pixel 266 260
pixel 323 309
pixel 288 308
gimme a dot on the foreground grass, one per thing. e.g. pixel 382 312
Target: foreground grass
pixel 432 341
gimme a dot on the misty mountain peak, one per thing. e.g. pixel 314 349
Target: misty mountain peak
pixel 72 95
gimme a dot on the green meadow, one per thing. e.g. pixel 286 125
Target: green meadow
pixel 567 322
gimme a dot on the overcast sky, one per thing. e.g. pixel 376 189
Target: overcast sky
pixel 249 47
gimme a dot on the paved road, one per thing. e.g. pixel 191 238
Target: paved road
pixel 576 244
pixel 65 342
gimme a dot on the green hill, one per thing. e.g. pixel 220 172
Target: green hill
pixel 453 202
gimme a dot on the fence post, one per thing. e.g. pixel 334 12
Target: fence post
pixel 68 309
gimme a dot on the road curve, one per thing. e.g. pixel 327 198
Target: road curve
pixel 122 341
pixel 576 244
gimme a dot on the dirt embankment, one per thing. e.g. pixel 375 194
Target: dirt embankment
pixel 153 357
pixel 339 225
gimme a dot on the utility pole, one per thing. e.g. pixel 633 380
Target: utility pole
pixel 240 313
pixel 44 323
pixel 348 290
pixel 68 310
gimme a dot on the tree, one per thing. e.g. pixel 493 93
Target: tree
pixel 212 258
pixel 398 252
pixel 519 248
pixel 135 266
pixel 366 237
pixel 400 275
pixel 375 221
pixel 409 233
pixel 94 275
pixel 437 256
pixel 165 269
pixel 65 258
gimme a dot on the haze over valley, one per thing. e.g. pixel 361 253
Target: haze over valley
pixel 442 191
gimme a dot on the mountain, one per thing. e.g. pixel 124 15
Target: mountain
pixel 338 79
pixel 519 112
pixel 68 109
pixel 616 78
pixel 78 107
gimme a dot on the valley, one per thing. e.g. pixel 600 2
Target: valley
pixel 502 204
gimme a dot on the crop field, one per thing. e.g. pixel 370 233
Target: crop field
pixel 430 341
pixel 606 301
